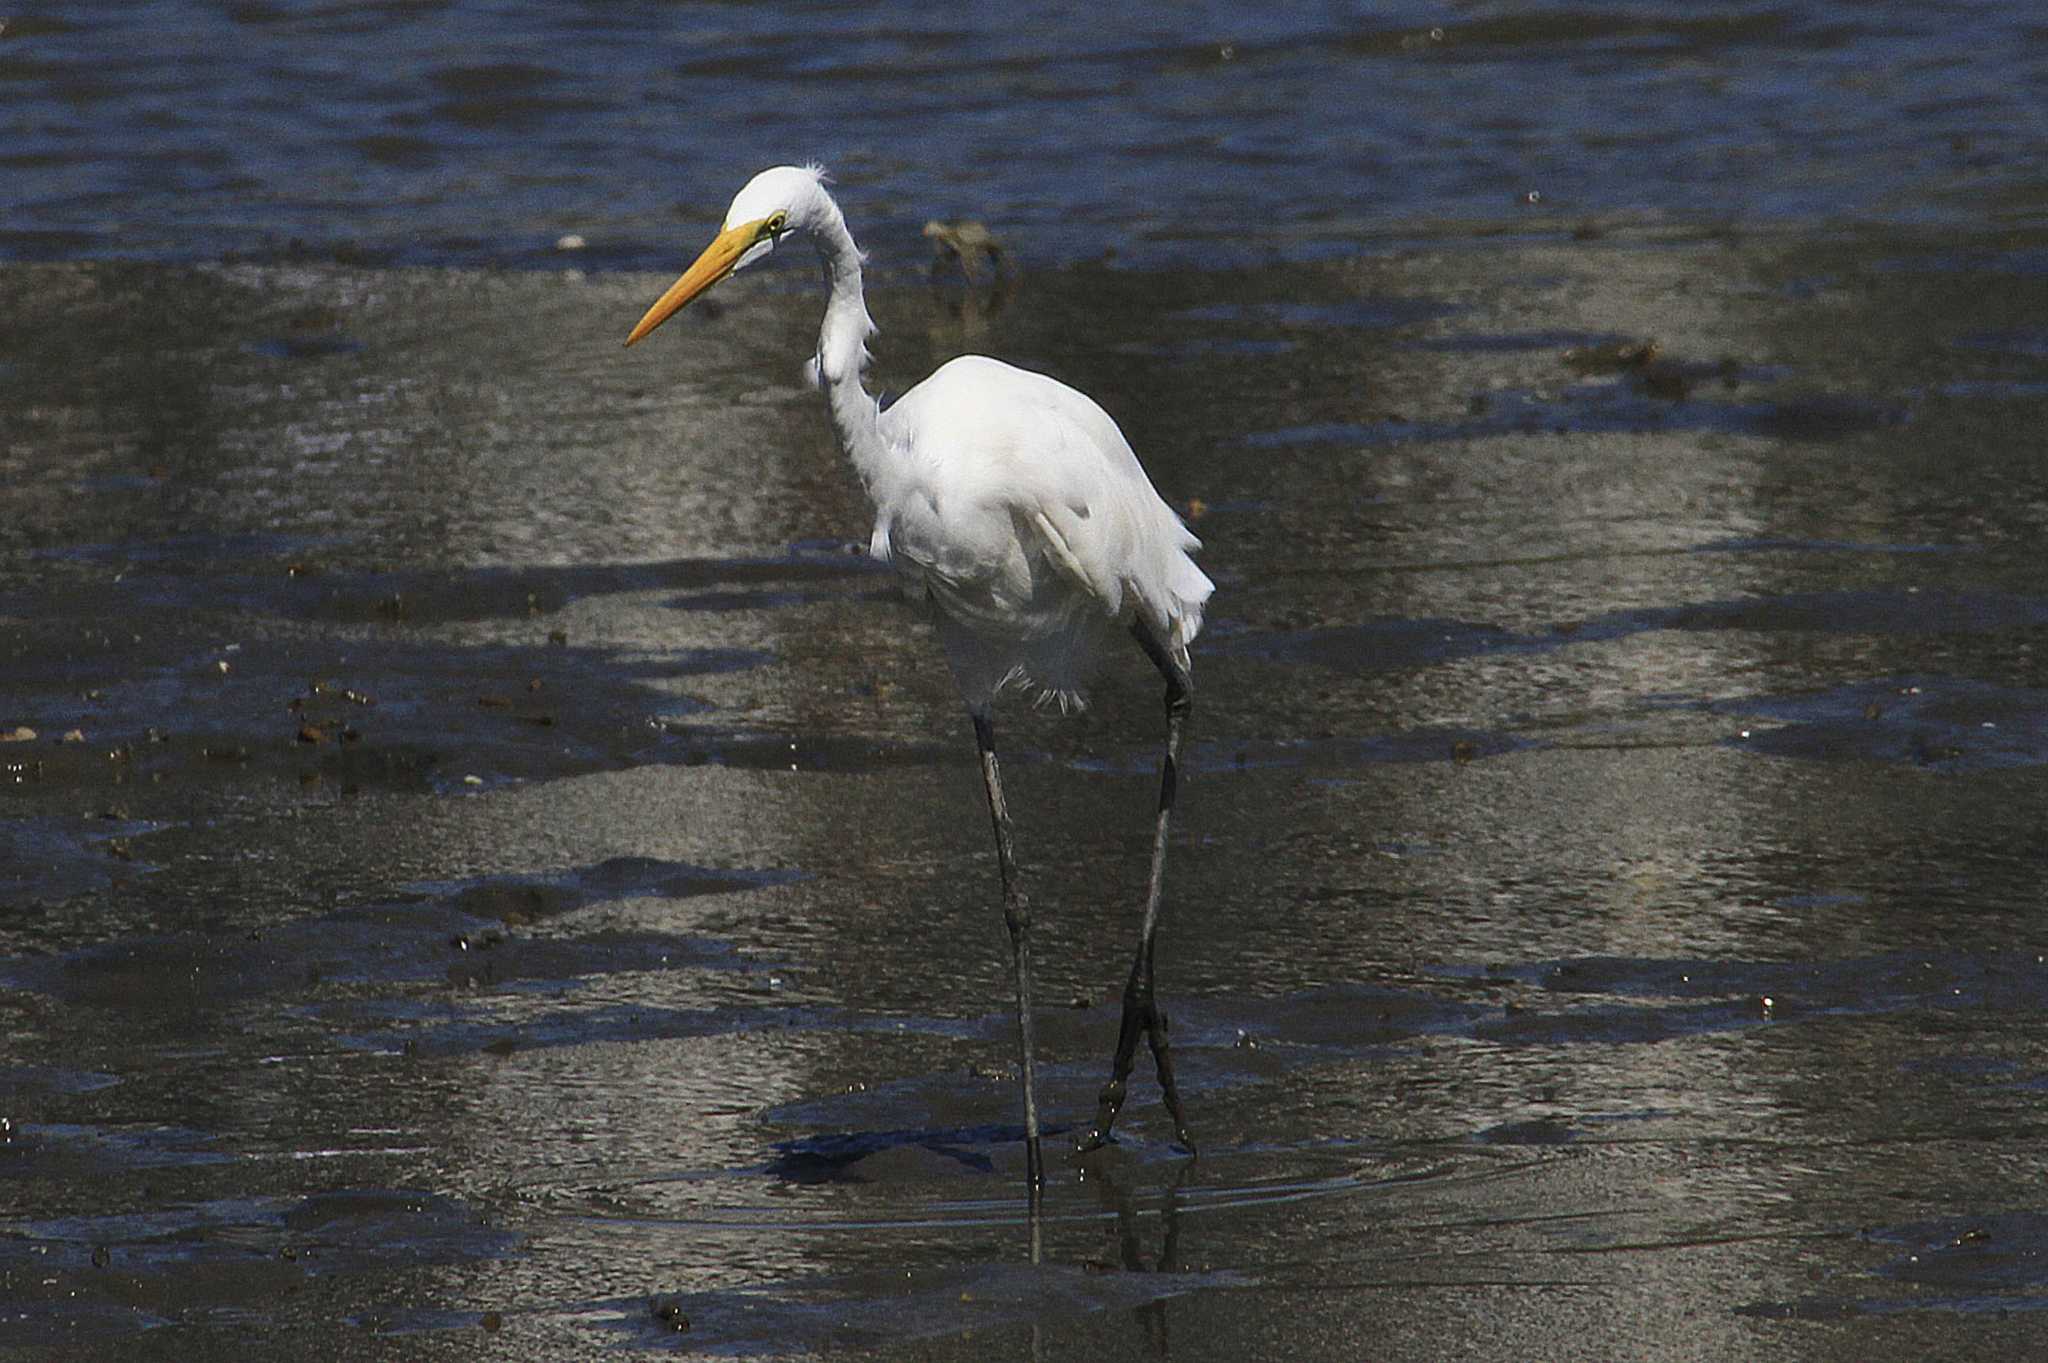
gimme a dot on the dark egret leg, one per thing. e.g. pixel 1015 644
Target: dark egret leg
pixel 1017 917
pixel 1142 1015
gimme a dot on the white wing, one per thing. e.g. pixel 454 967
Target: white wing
pixel 1020 510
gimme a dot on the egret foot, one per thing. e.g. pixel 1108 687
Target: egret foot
pixel 1142 1016
pixel 1162 1061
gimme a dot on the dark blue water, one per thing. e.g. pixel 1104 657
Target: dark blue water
pixel 441 131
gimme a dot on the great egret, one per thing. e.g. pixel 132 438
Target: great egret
pixel 1014 508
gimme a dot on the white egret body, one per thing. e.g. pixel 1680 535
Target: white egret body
pixel 1013 506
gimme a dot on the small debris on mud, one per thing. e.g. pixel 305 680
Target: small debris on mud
pixel 1612 357
pixel 967 243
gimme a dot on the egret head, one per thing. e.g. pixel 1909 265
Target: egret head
pixel 774 203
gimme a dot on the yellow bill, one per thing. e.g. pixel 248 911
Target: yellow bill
pixel 720 258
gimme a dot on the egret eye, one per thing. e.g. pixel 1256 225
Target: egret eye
pixel 777 223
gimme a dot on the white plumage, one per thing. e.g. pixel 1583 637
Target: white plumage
pixel 1014 507
pixel 1014 504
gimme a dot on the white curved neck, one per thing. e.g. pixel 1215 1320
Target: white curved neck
pixel 843 352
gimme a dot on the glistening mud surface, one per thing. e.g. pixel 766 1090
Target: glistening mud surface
pixel 487 872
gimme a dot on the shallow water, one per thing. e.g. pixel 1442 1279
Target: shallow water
pixel 519 879
pixel 486 869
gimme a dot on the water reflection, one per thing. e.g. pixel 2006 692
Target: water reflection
pixel 1534 757
pixel 1118 1198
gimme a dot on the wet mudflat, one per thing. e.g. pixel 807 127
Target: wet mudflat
pixel 488 870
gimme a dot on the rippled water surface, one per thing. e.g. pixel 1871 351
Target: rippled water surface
pixel 461 130
pixel 487 870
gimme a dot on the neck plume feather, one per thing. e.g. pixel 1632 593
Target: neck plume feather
pixel 842 348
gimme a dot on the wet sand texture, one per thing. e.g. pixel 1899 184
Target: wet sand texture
pixel 495 874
